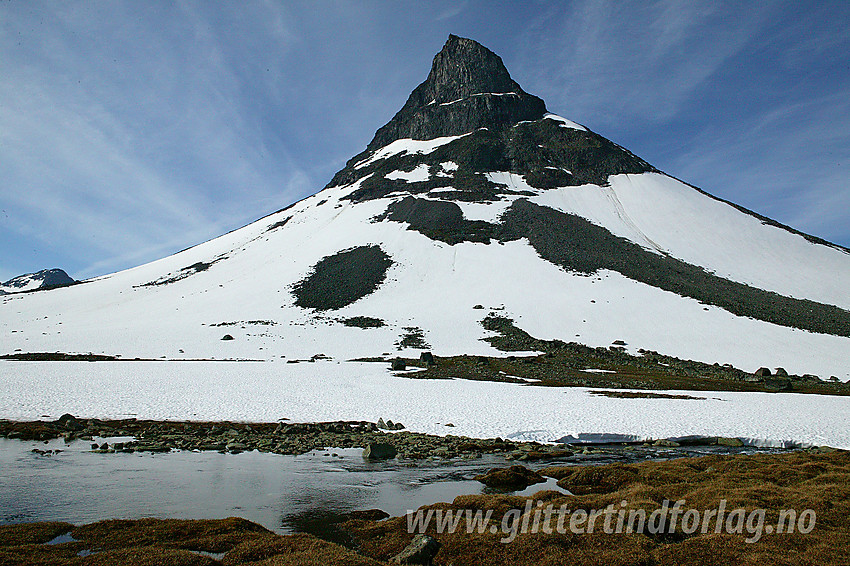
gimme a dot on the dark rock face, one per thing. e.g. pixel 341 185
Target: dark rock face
pixel 342 278
pixel 48 278
pixel 762 372
pixel 468 88
pixel 437 220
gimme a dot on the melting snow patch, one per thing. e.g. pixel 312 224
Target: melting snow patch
pixel 419 173
pixel 408 146
pixel 564 122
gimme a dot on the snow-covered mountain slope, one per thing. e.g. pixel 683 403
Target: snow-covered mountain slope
pixel 472 195
pixel 44 279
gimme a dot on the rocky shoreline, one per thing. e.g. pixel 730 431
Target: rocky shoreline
pixel 381 440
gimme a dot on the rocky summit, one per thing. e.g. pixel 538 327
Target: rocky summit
pixel 468 88
pixel 475 222
pixel 44 279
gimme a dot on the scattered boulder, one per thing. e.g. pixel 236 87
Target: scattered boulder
pixel 227 337
pixel 762 372
pixel 70 422
pixel 427 358
pixel 379 451
pixel 780 372
pixel 421 550
pixel 381 424
pixel 514 478
pixel 732 442
pixel 666 443
pixel 398 365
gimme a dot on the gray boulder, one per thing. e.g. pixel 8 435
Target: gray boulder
pixel 379 451
pixel 421 550
pixel 762 372
pixel 398 365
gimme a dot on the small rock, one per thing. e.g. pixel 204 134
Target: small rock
pixel 421 550
pixel 398 365
pixel 227 337
pixel 427 358
pixel 450 425
pixel 70 422
pixel 514 478
pixel 733 442
pixel 762 372
pixel 379 451
pixel 381 424
pixel 780 372
pixel 666 443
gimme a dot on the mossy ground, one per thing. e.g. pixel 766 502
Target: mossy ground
pixel 796 480
pixel 169 542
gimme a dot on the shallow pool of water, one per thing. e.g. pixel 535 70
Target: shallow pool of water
pixel 282 493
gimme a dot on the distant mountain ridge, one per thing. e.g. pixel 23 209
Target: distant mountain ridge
pixel 44 279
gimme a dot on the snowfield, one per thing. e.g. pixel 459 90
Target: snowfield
pixel 179 308
pixel 329 390
pixel 434 286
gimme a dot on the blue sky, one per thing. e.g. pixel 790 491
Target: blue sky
pixel 131 130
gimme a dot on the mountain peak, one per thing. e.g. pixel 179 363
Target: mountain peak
pixel 465 67
pixel 468 88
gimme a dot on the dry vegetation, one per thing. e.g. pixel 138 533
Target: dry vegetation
pixel 797 480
